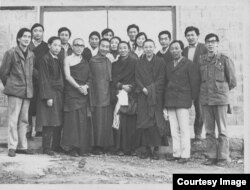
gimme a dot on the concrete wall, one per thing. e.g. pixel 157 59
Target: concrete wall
pixel 228 23
pixel 227 20
pixel 11 22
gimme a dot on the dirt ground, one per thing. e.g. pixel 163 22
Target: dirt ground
pixel 103 169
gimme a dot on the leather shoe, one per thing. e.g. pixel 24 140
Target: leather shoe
pixel 155 155
pixel 222 163
pixel 49 152
pixel 183 160
pixel 12 153
pixel 97 152
pixel 26 151
pixel 73 153
pixel 59 150
pixel 38 134
pixel 144 155
pixel 210 161
pixel 172 158
pixel 120 153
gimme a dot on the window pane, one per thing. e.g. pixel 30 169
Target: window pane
pixel 81 23
pixel 150 22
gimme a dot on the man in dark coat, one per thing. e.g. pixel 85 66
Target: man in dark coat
pixel 150 79
pixel 165 39
pixel 16 75
pixel 100 67
pixel 217 78
pixel 132 31
pixel 50 99
pixel 39 48
pixel 94 39
pixel 193 52
pixel 64 34
pixel 182 86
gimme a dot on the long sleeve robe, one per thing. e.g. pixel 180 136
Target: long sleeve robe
pixel 150 75
pixel 50 83
pixel 100 68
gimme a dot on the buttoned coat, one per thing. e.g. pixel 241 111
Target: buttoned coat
pixel 16 73
pixel 182 84
pixel 217 77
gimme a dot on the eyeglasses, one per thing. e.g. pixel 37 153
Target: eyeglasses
pixel 79 45
pixel 211 41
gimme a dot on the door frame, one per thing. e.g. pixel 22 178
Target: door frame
pixel 44 9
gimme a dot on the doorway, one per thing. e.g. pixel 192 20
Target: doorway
pixel 83 20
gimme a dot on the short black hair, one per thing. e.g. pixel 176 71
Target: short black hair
pixel 36 25
pixel 52 39
pixel 21 32
pixel 138 35
pixel 210 36
pixel 95 33
pixel 192 28
pixel 104 40
pixel 165 32
pixel 116 37
pixel 124 42
pixel 179 42
pixel 62 29
pixel 133 26
pixel 148 40
pixel 107 30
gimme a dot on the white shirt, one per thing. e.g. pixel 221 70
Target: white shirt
pixel 94 51
pixel 163 52
pixel 36 43
pixel 54 56
pixel 139 52
pixel 191 51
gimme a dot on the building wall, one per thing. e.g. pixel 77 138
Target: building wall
pixel 11 22
pixel 227 21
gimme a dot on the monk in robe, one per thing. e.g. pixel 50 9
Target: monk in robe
pixel 50 100
pixel 77 126
pixel 100 67
pixel 123 79
pixel 150 76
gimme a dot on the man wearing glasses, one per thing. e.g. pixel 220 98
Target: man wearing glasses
pixel 217 77
pixel 77 128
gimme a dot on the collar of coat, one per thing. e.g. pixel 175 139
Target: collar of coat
pixel 217 56
pixel 181 62
pixel 20 53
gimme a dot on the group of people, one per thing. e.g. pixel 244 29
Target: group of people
pixel 117 95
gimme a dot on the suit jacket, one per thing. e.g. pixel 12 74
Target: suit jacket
pixel 200 50
pixel 182 84
pixel 166 56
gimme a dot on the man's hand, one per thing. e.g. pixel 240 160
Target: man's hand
pixel 165 114
pixel 145 91
pixel 126 87
pixel 50 102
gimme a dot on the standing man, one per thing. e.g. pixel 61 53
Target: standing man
pixel 64 34
pixel 100 67
pixel 217 79
pixel 94 39
pixel 165 39
pixel 50 99
pixel 132 31
pixel 39 48
pixel 150 81
pixel 193 52
pixel 16 75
